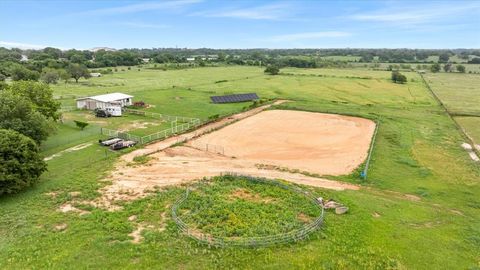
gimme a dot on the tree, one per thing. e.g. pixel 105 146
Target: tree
pixel 64 75
pixel 20 162
pixel 80 124
pixel 50 76
pixel 272 70
pixel 397 77
pixel 21 73
pixel 435 67
pixel 443 58
pixel 17 113
pixel 78 71
pixel 40 95
pixel 447 67
pixel 461 68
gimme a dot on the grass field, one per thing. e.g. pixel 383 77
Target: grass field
pixel 417 152
pixel 461 95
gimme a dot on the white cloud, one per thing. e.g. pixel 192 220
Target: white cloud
pixel 417 15
pixel 309 35
pixel 135 8
pixel 268 12
pixel 143 25
pixel 23 46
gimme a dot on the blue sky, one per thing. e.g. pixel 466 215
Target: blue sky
pixel 240 24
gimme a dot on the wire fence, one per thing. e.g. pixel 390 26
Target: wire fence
pixel 165 117
pixel 364 173
pixel 68 133
pixel 163 134
pixel 451 115
pixel 208 147
pixel 122 135
pixel 284 238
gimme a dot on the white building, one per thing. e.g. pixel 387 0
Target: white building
pixel 111 102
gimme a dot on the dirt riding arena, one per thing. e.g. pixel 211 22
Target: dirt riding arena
pixel 272 144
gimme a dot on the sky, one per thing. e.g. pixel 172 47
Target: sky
pixel 240 24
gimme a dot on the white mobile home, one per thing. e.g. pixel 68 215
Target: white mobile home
pixel 112 102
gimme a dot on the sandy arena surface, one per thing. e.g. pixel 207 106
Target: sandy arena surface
pixel 255 143
pixel 326 144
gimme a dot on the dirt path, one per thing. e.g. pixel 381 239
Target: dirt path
pixel 71 149
pixel 159 146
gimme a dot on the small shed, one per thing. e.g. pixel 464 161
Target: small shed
pixel 113 100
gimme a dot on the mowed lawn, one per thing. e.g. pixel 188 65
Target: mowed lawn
pixel 416 152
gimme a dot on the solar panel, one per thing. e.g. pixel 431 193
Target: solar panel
pixel 234 98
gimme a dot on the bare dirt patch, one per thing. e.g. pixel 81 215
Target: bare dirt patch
pixel 304 218
pixel 326 144
pixel 136 125
pixel 65 208
pixel 311 142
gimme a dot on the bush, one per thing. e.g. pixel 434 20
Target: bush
pixel 80 124
pixel 272 70
pixel 20 162
pixel 397 77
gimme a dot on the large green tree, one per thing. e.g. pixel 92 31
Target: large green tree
pixel 50 75
pixel 78 71
pixel 40 95
pixel 21 73
pixel 435 68
pixel 18 113
pixel 461 68
pixel 20 162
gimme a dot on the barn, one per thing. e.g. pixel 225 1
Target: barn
pixel 113 100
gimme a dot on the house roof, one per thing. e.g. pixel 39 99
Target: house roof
pixel 108 97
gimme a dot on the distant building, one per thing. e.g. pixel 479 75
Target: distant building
pixel 145 60
pixel 111 102
pixel 96 74
pixel 24 58
pixel 190 59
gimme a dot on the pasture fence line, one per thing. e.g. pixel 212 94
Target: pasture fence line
pixel 168 118
pixel 364 173
pixel 463 132
pixel 179 124
pixel 175 129
pixel 122 135
pixel 208 147
pixel 259 241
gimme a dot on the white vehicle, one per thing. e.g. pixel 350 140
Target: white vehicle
pixel 114 111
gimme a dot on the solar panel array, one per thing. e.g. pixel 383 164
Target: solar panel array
pixel 234 98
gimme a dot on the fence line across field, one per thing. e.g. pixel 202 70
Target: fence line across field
pixel 165 117
pixel 163 134
pixel 292 236
pixel 208 147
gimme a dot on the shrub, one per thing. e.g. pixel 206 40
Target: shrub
pixel 272 70
pixel 397 77
pixel 20 162
pixel 80 124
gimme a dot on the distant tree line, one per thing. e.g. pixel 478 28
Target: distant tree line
pixel 51 65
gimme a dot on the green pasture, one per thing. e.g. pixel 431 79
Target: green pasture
pixel 471 126
pixel 417 152
pixel 459 92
